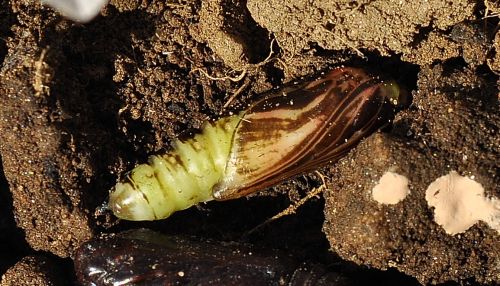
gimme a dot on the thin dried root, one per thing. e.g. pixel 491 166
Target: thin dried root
pixel 254 67
pixel 233 79
pixel 41 75
pixel 292 209
pixel 235 94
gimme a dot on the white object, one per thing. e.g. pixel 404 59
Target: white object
pixel 77 10
pixel 391 188
pixel 459 202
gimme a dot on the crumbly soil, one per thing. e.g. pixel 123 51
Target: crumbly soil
pixel 80 104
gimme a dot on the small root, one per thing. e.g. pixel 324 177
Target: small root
pixel 235 94
pixel 292 209
pixel 233 79
pixel 252 68
pixel 41 75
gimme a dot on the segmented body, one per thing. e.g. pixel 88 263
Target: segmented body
pixel 179 179
pixel 287 132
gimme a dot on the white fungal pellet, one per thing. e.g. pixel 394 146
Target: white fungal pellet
pixel 77 10
pixel 459 202
pixel 391 188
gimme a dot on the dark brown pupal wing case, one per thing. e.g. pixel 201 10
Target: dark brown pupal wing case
pixel 288 133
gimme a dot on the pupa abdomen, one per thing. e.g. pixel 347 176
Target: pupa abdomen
pixel 178 179
pixel 290 131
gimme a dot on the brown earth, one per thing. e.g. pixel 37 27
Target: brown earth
pixel 82 104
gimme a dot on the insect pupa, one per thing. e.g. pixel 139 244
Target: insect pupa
pixel 287 132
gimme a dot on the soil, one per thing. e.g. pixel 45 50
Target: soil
pixel 81 104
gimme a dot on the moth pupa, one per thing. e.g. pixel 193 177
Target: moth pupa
pixel 287 132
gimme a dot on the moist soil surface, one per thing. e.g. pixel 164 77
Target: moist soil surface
pixel 82 104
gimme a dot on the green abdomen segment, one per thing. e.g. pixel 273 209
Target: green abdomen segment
pixel 179 179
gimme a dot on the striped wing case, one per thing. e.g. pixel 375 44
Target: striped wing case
pixel 300 129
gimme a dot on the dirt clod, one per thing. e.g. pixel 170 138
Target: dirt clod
pixel 33 270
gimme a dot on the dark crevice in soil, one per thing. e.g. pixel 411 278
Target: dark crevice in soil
pixel 489 85
pixel 319 51
pixel 484 92
pixel 403 72
pixel 84 95
pixel 421 35
pixel 452 65
pixel 65 269
pixel 275 74
pixel 7 19
pixel 363 275
pixel 239 22
pixel 13 246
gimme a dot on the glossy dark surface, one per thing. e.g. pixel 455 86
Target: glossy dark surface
pixel 144 257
